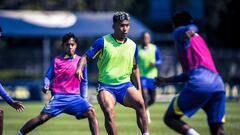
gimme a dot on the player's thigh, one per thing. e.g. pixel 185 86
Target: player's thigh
pixel 215 108
pixel 106 100
pixel 133 98
pixel 188 102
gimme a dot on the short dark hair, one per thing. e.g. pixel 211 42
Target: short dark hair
pixel 182 18
pixel 68 36
pixel 120 16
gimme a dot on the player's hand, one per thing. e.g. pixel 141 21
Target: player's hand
pixel 159 80
pixel 190 33
pixel 45 90
pixel 79 74
pixel 18 106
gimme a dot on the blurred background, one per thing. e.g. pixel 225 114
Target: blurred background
pixel 32 32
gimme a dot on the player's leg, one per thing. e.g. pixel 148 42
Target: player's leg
pixel 215 110
pixel 173 120
pixel 152 97
pixel 186 103
pixel 151 101
pixel 1 121
pixel 92 119
pixel 134 99
pixel 53 108
pixel 217 129
pixel 35 122
pixel 145 97
pixel 107 102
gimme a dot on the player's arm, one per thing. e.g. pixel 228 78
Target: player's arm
pixel 15 104
pixel 47 78
pixel 91 53
pixel 174 79
pixel 84 84
pixel 182 34
pixel 135 76
pixel 191 31
pixel 158 58
pixel 5 96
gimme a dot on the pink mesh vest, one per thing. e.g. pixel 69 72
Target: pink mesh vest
pixel 64 80
pixel 196 54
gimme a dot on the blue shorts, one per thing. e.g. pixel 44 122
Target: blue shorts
pixel 118 91
pixel 211 98
pixel 148 83
pixel 69 104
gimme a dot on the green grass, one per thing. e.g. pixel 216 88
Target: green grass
pixel 125 118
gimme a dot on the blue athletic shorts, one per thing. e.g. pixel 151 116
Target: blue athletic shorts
pixel 69 104
pixel 199 93
pixel 148 83
pixel 118 91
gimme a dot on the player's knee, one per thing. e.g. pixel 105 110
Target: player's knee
pixel 42 118
pixel 141 104
pixel 91 112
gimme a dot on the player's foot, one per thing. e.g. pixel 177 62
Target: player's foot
pixel 148 116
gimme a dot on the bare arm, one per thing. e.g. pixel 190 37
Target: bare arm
pixel 135 77
pixel 174 79
pixel 81 63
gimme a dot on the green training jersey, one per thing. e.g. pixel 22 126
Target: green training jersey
pixel 145 57
pixel 116 61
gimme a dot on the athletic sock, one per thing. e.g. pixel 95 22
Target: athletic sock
pixel 145 134
pixel 191 131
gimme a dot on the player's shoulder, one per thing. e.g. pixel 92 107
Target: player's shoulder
pixel 99 40
pixel 130 41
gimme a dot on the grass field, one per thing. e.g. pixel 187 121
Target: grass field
pixel 126 121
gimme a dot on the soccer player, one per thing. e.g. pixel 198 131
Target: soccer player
pixel 69 94
pixel 149 60
pixel 15 104
pixel 118 66
pixel 203 88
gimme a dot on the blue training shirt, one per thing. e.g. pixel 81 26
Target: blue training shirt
pixel 4 95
